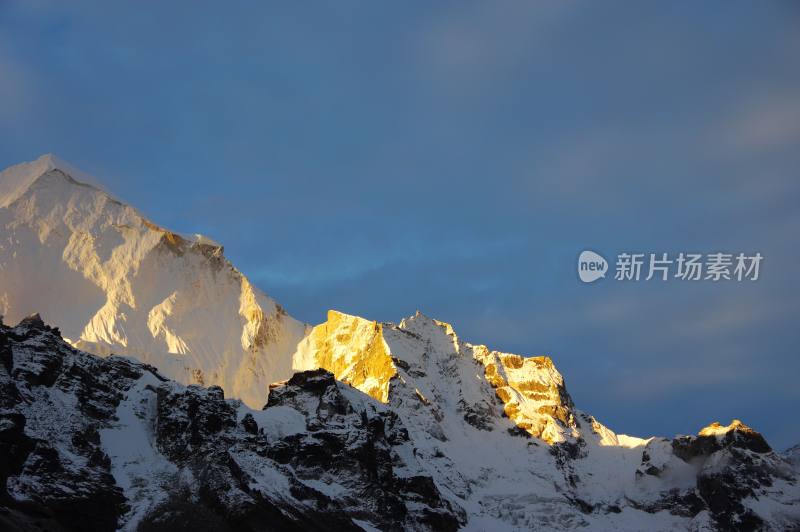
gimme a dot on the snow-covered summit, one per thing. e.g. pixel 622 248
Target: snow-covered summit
pixel 377 359
pixel 500 434
pixel 18 179
pixel 114 281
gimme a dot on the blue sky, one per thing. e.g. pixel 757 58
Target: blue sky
pixel 456 157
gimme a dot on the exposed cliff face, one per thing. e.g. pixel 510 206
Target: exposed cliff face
pixel 533 394
pixel 351 348
pixel 115 282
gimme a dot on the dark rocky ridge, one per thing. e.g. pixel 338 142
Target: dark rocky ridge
pixel 55 474
pixel 732 464
pixel 36 483
pixel 351 462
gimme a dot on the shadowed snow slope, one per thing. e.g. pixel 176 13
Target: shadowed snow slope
pixel 114 281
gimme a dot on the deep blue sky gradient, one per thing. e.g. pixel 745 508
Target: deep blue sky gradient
pixel 455 157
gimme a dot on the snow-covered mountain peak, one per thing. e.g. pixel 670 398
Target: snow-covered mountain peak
pixel 18 179
pixel 114 281
pixel 421 322
pixel 735 433
pixel 425 358
pixel 717 429
pixel 353 349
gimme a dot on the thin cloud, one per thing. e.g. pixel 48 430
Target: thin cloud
pixel 764 123
pixel 348 261
pixel 17 90
pixel 473 43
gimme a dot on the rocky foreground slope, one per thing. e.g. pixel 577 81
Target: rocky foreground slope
pixel 92 443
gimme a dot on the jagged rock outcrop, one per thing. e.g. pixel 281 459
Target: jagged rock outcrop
pixel 357 441
pixel 54 470
pixel 93 443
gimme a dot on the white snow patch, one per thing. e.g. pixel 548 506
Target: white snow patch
pixel 276 421
pixel 367 527
pixel 139 469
